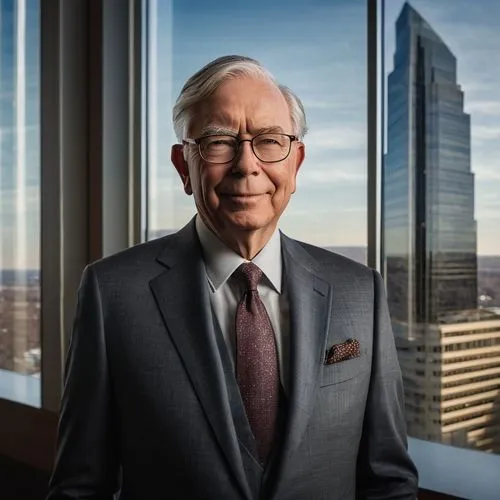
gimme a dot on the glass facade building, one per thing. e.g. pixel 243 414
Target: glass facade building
pixel 428 187
pixel 448 348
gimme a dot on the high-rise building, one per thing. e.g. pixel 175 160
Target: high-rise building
pixel 429 227
pixel 449 350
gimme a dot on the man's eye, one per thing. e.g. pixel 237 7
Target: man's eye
pixel 220 142
pixel 266 142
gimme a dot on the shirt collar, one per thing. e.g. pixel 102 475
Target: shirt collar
pixel 221 261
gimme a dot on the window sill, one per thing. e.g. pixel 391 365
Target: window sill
pixel 24 389
pixel 456 471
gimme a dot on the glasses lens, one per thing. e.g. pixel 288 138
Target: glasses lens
pixel 271 147
pixel 218 148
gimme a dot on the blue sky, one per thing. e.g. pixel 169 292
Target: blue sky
pixel 318 48
pixel 19 138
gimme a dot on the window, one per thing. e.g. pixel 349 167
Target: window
pixel 320 53
pixel 440 221
pixel 20 351
pixel 442 260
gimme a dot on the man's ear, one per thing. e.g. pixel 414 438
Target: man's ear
pixel 300 155
pixel 180 164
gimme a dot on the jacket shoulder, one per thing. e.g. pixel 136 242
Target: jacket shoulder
pixel 130 263
pixel 328 260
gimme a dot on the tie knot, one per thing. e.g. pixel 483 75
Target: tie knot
pixel 249 274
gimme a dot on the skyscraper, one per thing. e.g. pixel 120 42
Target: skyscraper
pixel 429 227
pixel 448 349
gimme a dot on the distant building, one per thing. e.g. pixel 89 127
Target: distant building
pixel 429 227
pixel 451 373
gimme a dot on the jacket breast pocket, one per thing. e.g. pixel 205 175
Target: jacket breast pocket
pixel 342 371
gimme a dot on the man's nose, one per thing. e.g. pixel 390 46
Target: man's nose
pixel 246 163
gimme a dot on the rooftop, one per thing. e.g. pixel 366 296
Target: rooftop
pixel 469 316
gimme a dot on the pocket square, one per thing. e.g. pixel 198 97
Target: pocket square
pixel 342 352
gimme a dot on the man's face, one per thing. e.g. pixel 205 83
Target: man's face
pixel 244 194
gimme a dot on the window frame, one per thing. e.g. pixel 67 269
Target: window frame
pixel 442 468
pixel 81 99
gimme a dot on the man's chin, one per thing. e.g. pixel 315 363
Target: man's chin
pixel 245 222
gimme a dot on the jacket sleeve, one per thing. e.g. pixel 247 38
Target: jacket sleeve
pixel 86 465
pixel 385 470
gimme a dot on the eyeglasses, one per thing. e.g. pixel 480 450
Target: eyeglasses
pixel 268 148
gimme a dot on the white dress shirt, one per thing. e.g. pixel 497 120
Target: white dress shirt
pixel 220 263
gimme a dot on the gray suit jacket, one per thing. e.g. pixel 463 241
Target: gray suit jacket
pixel 151 407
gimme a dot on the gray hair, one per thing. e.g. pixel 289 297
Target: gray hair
pixel 206 81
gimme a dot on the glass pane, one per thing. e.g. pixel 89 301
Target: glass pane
pixel 441 215
pixel 318 50
pixel 20 201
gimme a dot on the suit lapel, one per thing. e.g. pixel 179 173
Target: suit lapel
pixel 310 303
pixel 182 296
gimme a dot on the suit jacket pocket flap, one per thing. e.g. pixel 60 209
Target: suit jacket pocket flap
pixel 344 370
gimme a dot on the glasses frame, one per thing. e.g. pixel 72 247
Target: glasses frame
pixel 197 142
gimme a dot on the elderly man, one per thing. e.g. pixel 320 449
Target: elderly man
pixel 228 361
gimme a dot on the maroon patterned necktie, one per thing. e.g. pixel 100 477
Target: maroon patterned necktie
pixel 257 369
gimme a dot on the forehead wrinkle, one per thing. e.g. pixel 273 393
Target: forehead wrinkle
pixel 270 129
pixel 213 129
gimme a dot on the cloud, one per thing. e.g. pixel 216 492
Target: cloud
pixel 485 133
pixel 335 174
pixel 315 103
pixel 483 107
pixel 328 211
pixel 337 137
pixel 484 173
pixel 485 159
pixel 489 213
pixel 492 198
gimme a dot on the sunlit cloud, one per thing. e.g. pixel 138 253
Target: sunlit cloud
pixel 311 103
pixel 337 138
pixel 484 133
pixel 334 175
pixel 304 211
pixel 483 107
pixel 487 174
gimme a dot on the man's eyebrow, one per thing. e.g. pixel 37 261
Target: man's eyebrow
pixel 217 130
pixel 276 129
